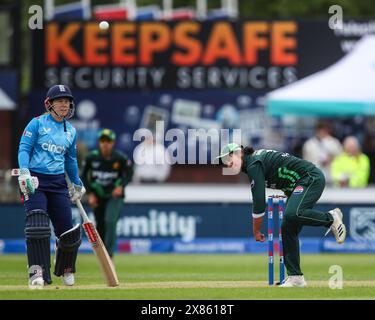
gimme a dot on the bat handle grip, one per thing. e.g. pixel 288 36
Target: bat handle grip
pixel 82 211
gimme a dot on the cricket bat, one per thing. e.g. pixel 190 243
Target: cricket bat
pixel 97 245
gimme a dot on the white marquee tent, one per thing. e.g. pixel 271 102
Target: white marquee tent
pixel 347 88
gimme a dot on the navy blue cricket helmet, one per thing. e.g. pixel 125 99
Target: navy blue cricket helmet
pixel 59 91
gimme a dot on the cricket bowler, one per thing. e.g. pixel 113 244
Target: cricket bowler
pixel 46 151
pixel 301 181
pixel 106 172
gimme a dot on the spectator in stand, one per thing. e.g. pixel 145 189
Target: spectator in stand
pixel 322 149
pixel 369 150
pixel 351 168
pixel 152 162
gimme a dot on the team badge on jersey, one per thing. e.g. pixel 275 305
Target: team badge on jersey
pixel 116 165
pixel 46 130
pixel 298 190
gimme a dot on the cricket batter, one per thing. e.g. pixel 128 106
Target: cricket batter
pixel 106 172
pixel 47 150
pixel 301 181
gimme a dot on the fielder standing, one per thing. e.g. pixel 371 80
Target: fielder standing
pixel 47 150
pixel 106 172
pixel 302 182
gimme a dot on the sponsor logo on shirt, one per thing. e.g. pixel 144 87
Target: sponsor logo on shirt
pixel 47 130
pixel 27 133
pixel 298 190
pixel 95 164
pixel 53 148
pixel 104 178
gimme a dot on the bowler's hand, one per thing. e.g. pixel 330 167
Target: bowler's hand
pixel 259 237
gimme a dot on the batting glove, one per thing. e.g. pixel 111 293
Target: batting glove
pixel 76 192
pixel 27 183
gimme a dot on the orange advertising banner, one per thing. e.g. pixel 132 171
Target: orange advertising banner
pixel 245 54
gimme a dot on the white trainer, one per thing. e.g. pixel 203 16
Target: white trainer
pixel 338 228
pixel 37 283
pixel 68 279
pixel 294 281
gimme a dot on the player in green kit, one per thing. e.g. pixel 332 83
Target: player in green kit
pixel 106 172
pixel 301 181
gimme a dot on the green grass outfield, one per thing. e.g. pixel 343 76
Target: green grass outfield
pixel 168 276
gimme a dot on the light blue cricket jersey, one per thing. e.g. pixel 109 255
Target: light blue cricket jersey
pixel 46 148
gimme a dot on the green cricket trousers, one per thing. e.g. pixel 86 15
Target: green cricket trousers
pixel 107 214
pixel 299 212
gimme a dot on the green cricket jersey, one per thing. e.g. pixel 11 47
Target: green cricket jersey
pixel 275 170
pixel 101 176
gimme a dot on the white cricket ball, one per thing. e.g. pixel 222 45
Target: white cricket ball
pixel 104 25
